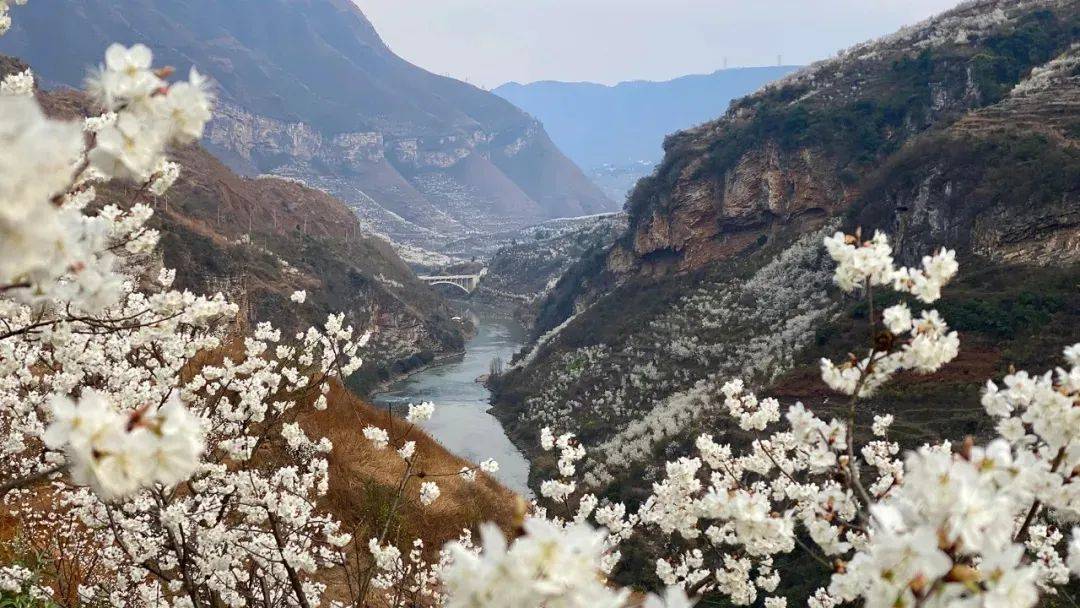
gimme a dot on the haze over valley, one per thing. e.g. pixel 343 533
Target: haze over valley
pixel 616 133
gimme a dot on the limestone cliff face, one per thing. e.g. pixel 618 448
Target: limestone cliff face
pixel 1005 226
pixel 804 149
pixel 420 190
pixel 1049 238
pixel 1047 106
pixel 709 217
pixel 252 137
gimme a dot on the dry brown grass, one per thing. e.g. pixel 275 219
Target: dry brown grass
pixel 364 485
pixel 363 480
pixel 35 534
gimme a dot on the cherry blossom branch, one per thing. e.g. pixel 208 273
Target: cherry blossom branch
pixel 389 519
pixel 1021 534
pixel 31 479
pixel 294 578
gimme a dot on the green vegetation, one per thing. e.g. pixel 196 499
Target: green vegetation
pixel 19 553
pixel 1006 57
pixel 24 600
pixel 1002 316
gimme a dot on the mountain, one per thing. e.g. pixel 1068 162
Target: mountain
pixel 260 239
pixel 962 131
pixel 616 132
pixel 308 90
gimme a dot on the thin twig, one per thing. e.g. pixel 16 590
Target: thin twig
pixel 22 482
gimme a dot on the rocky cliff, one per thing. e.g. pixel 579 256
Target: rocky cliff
pixel 1002 182
pixel 308 90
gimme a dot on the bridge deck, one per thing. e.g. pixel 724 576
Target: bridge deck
pixel 468 282
pixel 450 277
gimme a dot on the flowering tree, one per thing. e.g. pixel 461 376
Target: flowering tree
pixel 5 18
pixel 81 315
pixel 151 421
pixel 414 578
pixel 160 433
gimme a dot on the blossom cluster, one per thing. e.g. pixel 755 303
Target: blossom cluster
pixel 545 567
pixel 142 415
pixel 414 575
pixel 54 251
pixel 62 278
pixel 5 18
pixel 148 406
pixel 569 507
pixel 549 565
pixel 20 84
pixel 922 344
pixel 870 263
pixel 116 454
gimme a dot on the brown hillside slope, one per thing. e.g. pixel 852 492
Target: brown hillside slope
pixel 362 478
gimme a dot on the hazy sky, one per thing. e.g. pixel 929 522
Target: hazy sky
pixel 489 42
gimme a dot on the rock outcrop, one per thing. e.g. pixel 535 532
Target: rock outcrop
pixel 1003 182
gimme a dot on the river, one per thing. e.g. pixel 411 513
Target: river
pixel 461 421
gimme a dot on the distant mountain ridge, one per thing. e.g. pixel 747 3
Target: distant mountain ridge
pixel 309 90
pixel 616 132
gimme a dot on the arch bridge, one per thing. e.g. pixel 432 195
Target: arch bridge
pixel 465 282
